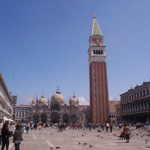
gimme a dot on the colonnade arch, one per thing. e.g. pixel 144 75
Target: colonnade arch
pixel 35 118
pixel 43 118
pixel 55 117
pixel 73 118
pixel 142 106
pixel 65 118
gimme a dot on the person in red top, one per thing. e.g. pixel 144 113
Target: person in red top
pixel 122 136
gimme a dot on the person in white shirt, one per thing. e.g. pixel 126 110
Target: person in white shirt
pixel 107 126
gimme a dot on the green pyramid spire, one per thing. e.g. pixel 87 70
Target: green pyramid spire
pixel 95 28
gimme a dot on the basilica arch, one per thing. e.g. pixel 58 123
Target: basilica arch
pixel 65 118
pixel 35 118
pixel 73 118
pixel 43 118
pixel 54 107
pixel 55 117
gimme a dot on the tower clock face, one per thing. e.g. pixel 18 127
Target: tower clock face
pixel 97 41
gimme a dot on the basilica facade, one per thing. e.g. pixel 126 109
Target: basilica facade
pixel 56 110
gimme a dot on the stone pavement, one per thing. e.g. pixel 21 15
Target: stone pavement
pixel 50 138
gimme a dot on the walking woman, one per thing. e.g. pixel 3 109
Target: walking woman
pixel 5 136
pixel 1 125
pixel 17 136
pixel 127 132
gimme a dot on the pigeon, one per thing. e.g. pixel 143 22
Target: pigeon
pixel 82 135
pixel 101 137
pixel 79 143
pixel 84 144
pixel 90 146
pixel 51 148
pixel 57 147
pixel 98 130
pixel 146 141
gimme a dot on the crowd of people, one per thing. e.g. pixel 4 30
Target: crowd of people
pixel 20 128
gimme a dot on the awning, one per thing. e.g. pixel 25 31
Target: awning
pixel 6 119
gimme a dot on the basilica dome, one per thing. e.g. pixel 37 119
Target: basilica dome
pixel 74 101
pixel 33 101
pixel 42 100
pixel 58 98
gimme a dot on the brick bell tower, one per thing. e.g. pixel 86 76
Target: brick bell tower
pixel 99 104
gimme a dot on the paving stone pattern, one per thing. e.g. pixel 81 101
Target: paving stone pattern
pixel 51 139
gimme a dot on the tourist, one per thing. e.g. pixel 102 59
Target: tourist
pixel 27 128
pixel 122 135
pixel 107 126
pixel 120 125
pixel 17 136
pixel 1 125
pixel 110 125
pixel 90 126
pixel 102 126
pixel 23 128
pixel 5 136
pixel 59 127
pixel 127 132
pixel 35 126
pixel 31 126
pixel 40 127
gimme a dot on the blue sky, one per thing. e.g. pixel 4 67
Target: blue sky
pixel 44 43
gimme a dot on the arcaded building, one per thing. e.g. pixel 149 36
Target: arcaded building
pixel 99 103
pixel 135 104
pixel 112 109
pixel 6 103
pixel 22 113
pixel 118 112
pixel 56 110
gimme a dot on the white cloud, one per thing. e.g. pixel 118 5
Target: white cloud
pixel 24 99
pixel 111 99
pixel 83 101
